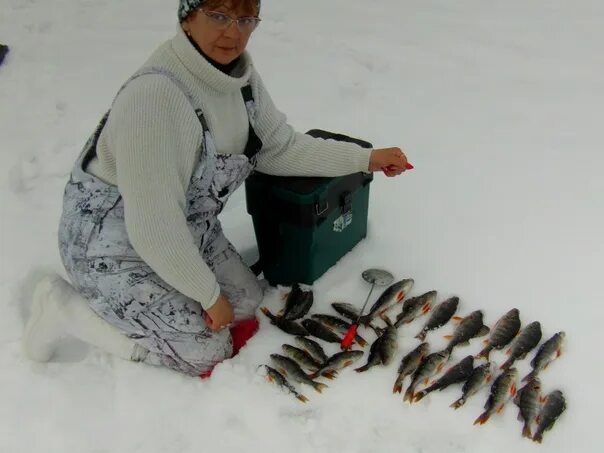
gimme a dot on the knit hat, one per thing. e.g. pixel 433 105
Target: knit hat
pixel 186 7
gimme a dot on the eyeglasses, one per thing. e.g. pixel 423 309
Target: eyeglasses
pixel 221 21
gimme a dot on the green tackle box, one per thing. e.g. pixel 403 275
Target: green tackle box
pixel 303 225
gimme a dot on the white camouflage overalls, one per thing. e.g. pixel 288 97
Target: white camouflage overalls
pixel 122 289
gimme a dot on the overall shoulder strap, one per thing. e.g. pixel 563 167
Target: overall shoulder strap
pixel 254 144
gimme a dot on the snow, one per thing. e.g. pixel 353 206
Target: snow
pixel 498 105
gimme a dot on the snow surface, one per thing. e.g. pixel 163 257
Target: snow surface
pixel 499 106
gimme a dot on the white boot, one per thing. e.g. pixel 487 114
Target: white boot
pixel 58 311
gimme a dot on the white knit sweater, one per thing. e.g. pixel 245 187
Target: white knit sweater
pixel 149 148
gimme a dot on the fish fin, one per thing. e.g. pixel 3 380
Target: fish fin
pixel 500 409
pixel 546 365
pixel 508 351
pixel 513 390
pixel 426 381
pixel 387 320
pixel 440 367
pixel 526 431
pixel 484 417
pixel 421 336
pixel 347 363
pixel 447 337
pixel 360 341
pixel 409 395
pixel 558 353
pixel 541 400
pixel 329 375
pixel 484 330
pixel 400 296
pixel 267 312
pixel 319 387
pixel 538 438
pixel 270 379
pixel 302 398
pixel 456 318
pixel 418 396
pixel 488 378
pixel 457 404
pixel 426 308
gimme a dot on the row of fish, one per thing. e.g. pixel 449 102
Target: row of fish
pixel 310 356
pixel 419 364
pixel 422 366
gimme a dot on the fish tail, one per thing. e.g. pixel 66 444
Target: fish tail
pixel 360 341
pixel 419 396
pixel 486 352
pixel 421 336
pixel 329 374
pixel 409 395
pixel 457 404
pixel 361 369
pixel 538 437
pixel 484 417
pixel 301 398
pixel 526 430
pixel 398 387
pixel 319 387
pixel 267 312
pixel 529 376
pixel 508 363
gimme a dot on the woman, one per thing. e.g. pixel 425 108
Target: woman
pixel 139 235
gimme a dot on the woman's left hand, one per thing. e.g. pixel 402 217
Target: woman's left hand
pixel 392 161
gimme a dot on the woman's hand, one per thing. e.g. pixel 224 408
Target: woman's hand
pixel 219 315
pixel 391 160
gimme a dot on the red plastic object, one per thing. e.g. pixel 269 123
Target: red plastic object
pixel 349 337
pixel 242 331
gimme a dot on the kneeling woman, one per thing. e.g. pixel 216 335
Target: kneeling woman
pixel 154 278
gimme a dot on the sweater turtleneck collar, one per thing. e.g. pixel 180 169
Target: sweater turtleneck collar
pixel 223 78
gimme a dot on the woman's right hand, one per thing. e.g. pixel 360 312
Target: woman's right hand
pixel 219 315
